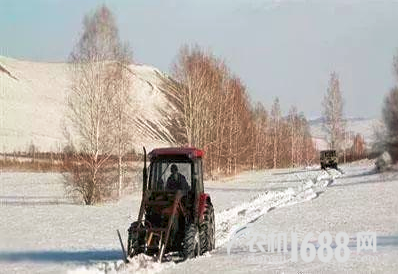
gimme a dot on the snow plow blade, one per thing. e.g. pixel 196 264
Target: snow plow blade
pixel 125 260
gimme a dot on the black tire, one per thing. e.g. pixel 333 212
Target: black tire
pixel 191 246
pixel 130 251
pixel 207 230
pixel 135 241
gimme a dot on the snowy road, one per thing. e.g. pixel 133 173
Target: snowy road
pixel 355 202
pixel 39 236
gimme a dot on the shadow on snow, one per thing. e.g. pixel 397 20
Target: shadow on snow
pixel 61 256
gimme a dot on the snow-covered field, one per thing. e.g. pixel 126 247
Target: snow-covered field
pixel 41 231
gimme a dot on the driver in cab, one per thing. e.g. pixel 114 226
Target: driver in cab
pixel 176 181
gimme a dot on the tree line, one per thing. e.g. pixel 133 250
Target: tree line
pixel 236 135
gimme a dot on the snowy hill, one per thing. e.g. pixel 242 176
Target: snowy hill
pixel 363 126
pixel 33 97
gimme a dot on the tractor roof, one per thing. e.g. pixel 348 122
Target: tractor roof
pixel 328 151
pixel 190 152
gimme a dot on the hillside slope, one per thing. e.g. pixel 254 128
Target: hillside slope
pixel 33 103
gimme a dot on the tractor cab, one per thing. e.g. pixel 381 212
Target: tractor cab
pixel 173 169
pixel 175 214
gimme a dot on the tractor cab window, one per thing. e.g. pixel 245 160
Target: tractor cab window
pixel 328 154
pixel 167 175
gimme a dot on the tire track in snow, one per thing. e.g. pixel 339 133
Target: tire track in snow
pixel 228 221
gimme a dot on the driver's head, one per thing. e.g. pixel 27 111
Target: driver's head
pixel 174 169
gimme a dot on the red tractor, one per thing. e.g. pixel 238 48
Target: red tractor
pixel 176 215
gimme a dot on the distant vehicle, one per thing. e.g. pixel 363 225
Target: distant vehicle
pixel 328 159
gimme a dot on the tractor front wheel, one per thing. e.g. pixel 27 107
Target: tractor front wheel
pixel 191 247
pixel 207 230
pixel 135 240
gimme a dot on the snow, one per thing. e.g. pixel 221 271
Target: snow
pixel 45 234
pixel 38 91
pixel 140 264
pixel 37 235
pixel 357 201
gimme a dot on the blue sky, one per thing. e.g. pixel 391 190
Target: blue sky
pixel 279 48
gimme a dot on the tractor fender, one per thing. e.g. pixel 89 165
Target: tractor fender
pixel 204 201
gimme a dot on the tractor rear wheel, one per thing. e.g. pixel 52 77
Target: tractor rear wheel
pixel 191 246
pixel 207 230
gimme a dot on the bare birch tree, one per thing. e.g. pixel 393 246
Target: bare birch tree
pixel 390 117
pixel 260 140
pixel 333 113
pixel 97 102
pixel 358 148
pixel 214 108
pixel 293 129
pixel 276 133
pixel 123 105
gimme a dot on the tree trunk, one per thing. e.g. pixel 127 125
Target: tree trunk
pixel 120 177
